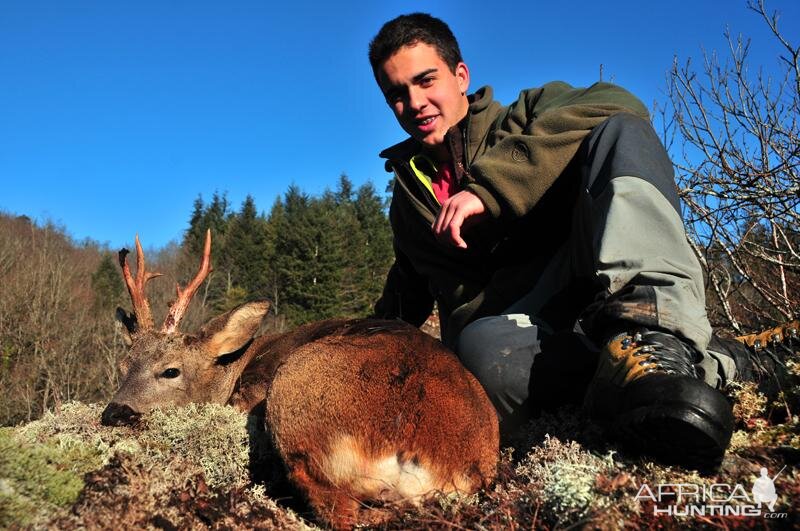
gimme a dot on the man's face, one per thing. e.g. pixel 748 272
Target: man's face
pixel 426 97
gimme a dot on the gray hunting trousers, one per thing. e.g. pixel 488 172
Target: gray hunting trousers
pixel 625 262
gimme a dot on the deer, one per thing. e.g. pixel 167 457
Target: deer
pixel 362 412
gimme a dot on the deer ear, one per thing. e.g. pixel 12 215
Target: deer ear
pixel 231 331
pixel 127 324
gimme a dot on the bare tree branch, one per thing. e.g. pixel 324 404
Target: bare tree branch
pixel 739 174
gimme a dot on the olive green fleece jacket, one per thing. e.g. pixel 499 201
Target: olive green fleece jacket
pixel 511 157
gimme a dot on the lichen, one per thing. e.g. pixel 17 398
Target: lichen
pixel 569 490
pixel 43 463
pixel 211 435
pixel 749 403
pixel 187 468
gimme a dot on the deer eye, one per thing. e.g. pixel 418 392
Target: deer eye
pixel 170 373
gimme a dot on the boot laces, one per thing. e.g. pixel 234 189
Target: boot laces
pixel 769 351
pixel 661 352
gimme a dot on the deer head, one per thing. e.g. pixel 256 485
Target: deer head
pixel 165 367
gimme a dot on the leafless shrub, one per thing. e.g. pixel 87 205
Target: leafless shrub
pixel 56 342
pixel 48 338
pixel 738 176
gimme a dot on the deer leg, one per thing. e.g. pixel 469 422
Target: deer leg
pixel 336 506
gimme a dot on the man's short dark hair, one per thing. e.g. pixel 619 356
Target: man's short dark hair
pixel 410 29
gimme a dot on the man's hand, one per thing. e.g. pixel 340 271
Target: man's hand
pixel 463 209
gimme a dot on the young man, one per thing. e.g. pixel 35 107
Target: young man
pixel 549 234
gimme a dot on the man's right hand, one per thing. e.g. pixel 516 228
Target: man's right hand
pixel 461 210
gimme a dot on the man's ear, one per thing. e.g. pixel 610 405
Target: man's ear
pixel 127 325
pixel 462 74
pixel 231 331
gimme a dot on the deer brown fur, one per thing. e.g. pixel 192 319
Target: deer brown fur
pixel 359 410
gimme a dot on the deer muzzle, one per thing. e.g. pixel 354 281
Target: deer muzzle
pixel 119 415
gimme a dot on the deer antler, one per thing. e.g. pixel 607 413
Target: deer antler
pixel 178 308
pixel 141 308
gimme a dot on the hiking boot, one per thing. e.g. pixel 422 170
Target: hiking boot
pixel 783 335
pixel 761 357
pixel 647 394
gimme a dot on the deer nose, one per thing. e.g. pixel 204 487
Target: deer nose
pixel 119 415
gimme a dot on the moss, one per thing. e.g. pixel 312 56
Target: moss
pixel 43 462
pixel 41 477
pixel 188 468
pixel 16 510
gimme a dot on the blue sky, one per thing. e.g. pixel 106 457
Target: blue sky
pixel 114 116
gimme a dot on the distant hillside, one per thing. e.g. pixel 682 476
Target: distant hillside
pixel 56 333
pixel 313 257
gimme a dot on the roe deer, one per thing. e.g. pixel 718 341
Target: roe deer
pixel 358 410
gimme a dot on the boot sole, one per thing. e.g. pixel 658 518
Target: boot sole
pixel 675 419
pixel 688 438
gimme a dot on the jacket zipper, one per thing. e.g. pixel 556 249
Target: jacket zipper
pixel 429 200
pixel 465 153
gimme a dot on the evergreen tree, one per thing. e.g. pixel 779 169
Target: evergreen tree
pixel 344 190
pixel 233 297
pixel 295 252
pixel 337 263
pixel 274 225
pixel 312 257
pixel 215 216
pixel 246 251
pixel 377 252
pixel 107 285
pixel 352 298
pixel 194 233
